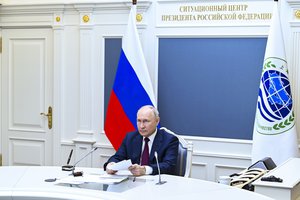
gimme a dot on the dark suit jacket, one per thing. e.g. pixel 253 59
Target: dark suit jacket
pixel 165 144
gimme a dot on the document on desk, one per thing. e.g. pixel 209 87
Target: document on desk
pixel 122 165
pixel 89 178
pixel 124 172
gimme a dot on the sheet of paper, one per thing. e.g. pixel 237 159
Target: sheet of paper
pixel 125 172
pixel 122 165
pixel 103 179
pixel 112 176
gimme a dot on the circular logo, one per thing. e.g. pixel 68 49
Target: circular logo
pixel 276 87
pixel 275 105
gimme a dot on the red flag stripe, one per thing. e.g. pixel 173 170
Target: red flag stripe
pixel 116 123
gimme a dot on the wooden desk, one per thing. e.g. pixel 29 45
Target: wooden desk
pixel 289 189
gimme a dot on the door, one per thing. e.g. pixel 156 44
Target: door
pixel 26 93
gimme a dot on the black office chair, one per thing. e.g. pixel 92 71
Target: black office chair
pixel 185 153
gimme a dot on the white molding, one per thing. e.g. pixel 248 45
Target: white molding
pixel 84 141
pixel 86 45
pixel 294 73
pixel 67 143
pixel 221 155
pixel 294 3
pixel 25 15
pixel 58 88
pixel 200 170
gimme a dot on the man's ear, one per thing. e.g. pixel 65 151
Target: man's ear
pixel 157 120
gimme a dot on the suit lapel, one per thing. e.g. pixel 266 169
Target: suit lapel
pixel 137 146
pixel 156 144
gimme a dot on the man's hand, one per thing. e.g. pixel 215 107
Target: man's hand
pixel 110 171
pixel 137 170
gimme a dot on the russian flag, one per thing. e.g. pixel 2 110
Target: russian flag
pixel 132 87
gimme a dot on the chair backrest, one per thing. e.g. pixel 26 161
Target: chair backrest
pixel 185 153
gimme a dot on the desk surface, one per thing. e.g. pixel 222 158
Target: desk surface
pixel 289 188
pixel 18 182
pixel 288 171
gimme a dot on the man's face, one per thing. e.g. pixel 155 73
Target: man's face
pixel 146 121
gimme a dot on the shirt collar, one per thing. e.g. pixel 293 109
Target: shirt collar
pixel 152 136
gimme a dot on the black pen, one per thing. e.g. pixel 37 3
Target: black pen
pixel 69 159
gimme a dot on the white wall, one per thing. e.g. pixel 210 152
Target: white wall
pixel 79 71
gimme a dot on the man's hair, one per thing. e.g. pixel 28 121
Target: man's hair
pixel 155 111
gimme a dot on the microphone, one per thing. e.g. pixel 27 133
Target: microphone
pixel 68 167
pixel 159 176
pixel 69 159
pixel 73 166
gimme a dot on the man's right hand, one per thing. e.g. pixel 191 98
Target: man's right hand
pixel 137 170
pixel 108 170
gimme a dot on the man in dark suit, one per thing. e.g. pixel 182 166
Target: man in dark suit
pixel 132 147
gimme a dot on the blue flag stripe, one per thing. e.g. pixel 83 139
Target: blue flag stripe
pixel 129 89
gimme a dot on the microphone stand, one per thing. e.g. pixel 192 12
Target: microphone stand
pixel 160 182
pixel 72 168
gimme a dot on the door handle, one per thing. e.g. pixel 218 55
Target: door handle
pixel 49 116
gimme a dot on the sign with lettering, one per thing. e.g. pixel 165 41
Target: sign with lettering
pixel 214 13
